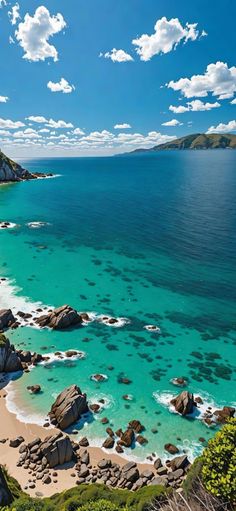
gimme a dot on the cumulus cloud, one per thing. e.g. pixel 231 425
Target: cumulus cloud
pixel 167 35
pixel 33 34
pixel 117 56
pixel 11 125
pixel 173 122
pixel 223 128
pixel 59 124
pixel 78 131
pixel 37 118
pixel 194 106
pixel 218 79
pixel 14 14
pixel 27 133
pixel 3 99
pixel 123 126
pixel 62 86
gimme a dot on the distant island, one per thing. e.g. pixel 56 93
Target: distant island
pixel 195 141
pixel 10 171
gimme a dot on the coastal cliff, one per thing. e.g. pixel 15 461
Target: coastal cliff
pixel 196 141
pixel 10 171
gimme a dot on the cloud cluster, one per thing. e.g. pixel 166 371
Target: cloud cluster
pixel 4 99
pixel 117 56
pixel 51 123
pixel 14 14
pixel 34 32
pixel 194 106
pixel 11 125
pixel 167 35
pixel 218 79
pixel 223 128
pixel 62 86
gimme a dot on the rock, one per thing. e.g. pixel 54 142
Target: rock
pixel 159 481
pixel 85 458
pixel 102 464
pixel 148 474
pixel 136 426
pixel 15 442
pixel 11 171
pixel 108 443
pixel 179 381
pixel 141 440
pixel 178 473
pixel 157 463
pixel 184 403
pixel 60 318
pixel 104 420
pixel 110 432
pixel 179 462
pixel 68 407
pixel 172 449
pixel 127 438
pixel 6 318
pixel 84 471
pixel 46 479
pixel 9 359
pixel 130 472
pixel 119 449
pixel 162 471
pixel 52 451
pixel 198 400
pixel 224 414
pixel 84 442
pixel 95 408
pixel 34 389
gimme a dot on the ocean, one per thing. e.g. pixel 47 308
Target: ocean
pixel 149 238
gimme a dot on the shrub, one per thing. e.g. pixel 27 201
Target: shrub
pixel 219 463
pixel 101 505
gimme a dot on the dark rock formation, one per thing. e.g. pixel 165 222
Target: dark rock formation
pixel 9 358
pixel 172 449
pixel 5 494
pixel 184 403
pixel 54 450
pixel 223 415
pixel 68 407
pixel 60 318
pixel 6 318
pixel 127 438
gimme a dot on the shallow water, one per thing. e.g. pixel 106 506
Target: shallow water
pixel 150 238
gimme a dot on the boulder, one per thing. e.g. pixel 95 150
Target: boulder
pixel 60 318
pixel 130 472
pixel 15 442
pixel 9 359
pixel 68 407
pixel 6 318
pixel 34 389
pixel 109 443
pixel 57 449
pixel 223 415
pixel 127 438
pixel 184 403
pixel 172 449
pixel 136 426
pixel 179 462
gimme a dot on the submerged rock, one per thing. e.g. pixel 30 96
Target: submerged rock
pixel 60 318
pixel 68 407
pixel 184 403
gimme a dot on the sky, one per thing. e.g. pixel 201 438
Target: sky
pixel 100 77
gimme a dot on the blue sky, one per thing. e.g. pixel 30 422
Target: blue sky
pixel 94 65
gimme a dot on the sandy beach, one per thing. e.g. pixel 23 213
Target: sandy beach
pixel 11 427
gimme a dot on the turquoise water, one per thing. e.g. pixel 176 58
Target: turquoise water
pixel 150 238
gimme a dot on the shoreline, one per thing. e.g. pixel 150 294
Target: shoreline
pixel 11 427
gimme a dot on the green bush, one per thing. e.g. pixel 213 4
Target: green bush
pixel 219 463
pixel 101 505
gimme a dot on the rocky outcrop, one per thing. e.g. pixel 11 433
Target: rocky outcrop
pixel 12 171
pixel 6 318
pixel 68 407
pixel 223 415
pixel 53 451
pixel 184 403
pixel 60 318
pixel 9 358
pixel 5 494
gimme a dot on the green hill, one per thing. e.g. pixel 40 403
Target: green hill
pixel 197 141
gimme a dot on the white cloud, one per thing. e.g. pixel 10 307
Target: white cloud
pixel 28 133
pixel 173 122
pixel 62 86
pixel 37 118
pixel 194 106
pixel 33 34
pixel 167 35
pixel 78 131
pixel 2 3
pixel 218 79
pixel 233 102
pixel 3 99
pixel 44 130
pixel 5 133
pixel 123 126
pixel 11 125
pixel 59 124
pixel 14 14
pixel 223 128
pixel 117 56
